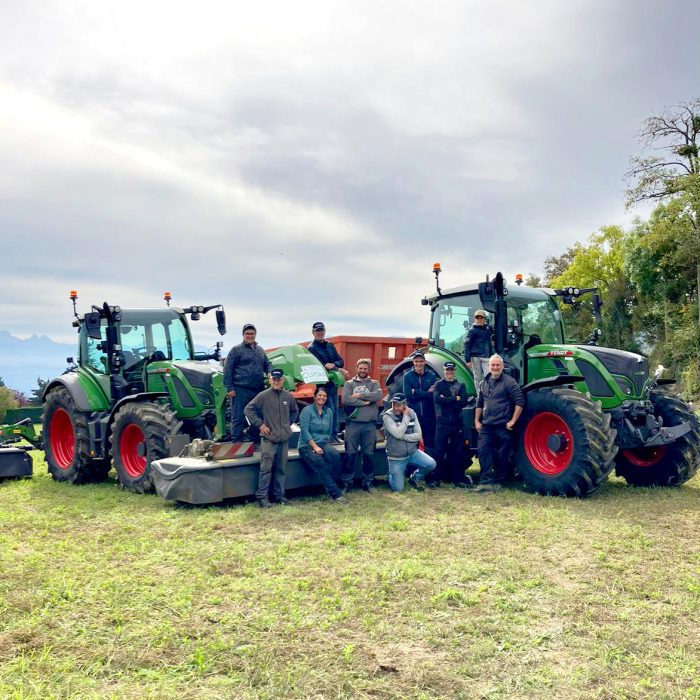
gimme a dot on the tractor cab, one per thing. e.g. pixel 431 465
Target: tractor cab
pixel 531 318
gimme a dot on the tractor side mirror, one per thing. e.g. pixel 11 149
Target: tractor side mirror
pixel 221 321
pixel 92 324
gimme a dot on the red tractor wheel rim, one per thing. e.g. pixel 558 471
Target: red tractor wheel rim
pixel 645 456
pixel 538 446
pixel 62 438
pixel 131 438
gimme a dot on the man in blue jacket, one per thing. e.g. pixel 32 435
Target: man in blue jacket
pixel 418 386
pixel 244 378
pixel 478 348
pixel 325 352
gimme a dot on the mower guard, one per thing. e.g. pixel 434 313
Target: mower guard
pixel 199 481
pixel 14 462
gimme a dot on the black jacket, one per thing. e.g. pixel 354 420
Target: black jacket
pixel 498 399
pixel 277 409
pixel 448 407
pixel 416 387
pixel 325 352
pixel 478 342
pixel 246 365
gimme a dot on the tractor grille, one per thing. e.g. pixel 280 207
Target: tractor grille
pixel 628 364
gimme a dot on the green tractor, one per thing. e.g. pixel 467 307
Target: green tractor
pixel 139 392
pixel 589 408
pixel 138 383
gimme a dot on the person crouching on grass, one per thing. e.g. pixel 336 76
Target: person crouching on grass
pixel 315 449
pixel 403 433
pixel 273 411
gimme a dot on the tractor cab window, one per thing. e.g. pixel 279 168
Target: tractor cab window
pixel 451 322
pixel 96 351
pixel 152 335
pixel 542 319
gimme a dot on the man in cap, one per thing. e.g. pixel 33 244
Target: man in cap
pixel 325 352
pixel 272 412
pixel 478 348
pixel 419 386
pixel 360 396
pixel 244 377
pixel 403 433
pixel 498 408
pixel 450 398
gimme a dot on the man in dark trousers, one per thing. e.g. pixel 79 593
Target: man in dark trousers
pixel 360 396
pixel 325 352
pixel 498 408
pixel 418 386
pixel 273 411
pixel 244 378
pixel 450 397
pixel 478 348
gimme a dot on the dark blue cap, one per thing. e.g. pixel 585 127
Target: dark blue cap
pixel 419 354
pixel 249 327
pixel 277 373
pixel 398 398
pixel 449 365
pixel 318 326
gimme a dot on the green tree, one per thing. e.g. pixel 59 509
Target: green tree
pixel 668 170
pixel 37 393
pixel 7 400
pixel 600 263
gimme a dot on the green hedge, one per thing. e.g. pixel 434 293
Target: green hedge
pixel 17 414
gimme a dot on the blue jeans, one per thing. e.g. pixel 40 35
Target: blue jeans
pixel 421 463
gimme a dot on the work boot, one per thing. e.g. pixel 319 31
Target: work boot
pixel 413 482
pixel 264 503
pixel 282 501
pixel 341 500
pixel 487 488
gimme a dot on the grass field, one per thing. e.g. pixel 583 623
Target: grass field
pixel 421 595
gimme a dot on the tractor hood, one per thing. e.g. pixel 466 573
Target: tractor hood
pixel 198 374
pixel 628 364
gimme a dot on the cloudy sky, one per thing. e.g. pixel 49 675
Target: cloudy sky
pixel 311 160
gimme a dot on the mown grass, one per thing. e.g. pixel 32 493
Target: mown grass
pixel 422 595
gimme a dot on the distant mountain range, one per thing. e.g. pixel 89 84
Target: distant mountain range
pixel 22 361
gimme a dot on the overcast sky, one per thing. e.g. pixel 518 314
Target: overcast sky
pixel 299 161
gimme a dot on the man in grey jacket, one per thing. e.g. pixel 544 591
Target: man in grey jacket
pixel 403 433
pixel 360 396
pixel 273 411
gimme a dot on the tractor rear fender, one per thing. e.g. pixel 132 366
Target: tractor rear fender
pixel 71 382
pixel 559 380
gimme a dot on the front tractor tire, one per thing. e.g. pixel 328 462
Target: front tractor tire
pixel 566 446
pixel 67 443
pixel 664 465
pixel 138 438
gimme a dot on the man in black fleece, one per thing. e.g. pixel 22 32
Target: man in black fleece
pixel 498 408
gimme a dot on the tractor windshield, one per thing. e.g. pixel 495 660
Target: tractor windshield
pixel 451 321
pixel 536 313
pixel 147 331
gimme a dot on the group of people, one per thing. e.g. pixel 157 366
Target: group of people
pixel 426 414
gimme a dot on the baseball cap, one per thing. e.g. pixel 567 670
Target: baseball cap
pixel 277 373
pixel 449 365
pixel 419 354
pixel 318 326
pixel 398 398
pixel 249 327
pixel 480 312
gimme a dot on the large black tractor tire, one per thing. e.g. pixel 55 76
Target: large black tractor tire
pixel 565 445
pixel 66 441
pixel 666 465
pixel 138 438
